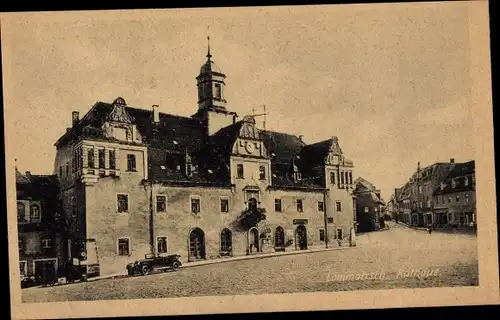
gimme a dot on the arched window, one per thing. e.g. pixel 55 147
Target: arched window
pixel 34 212
pixel 21 212
pixel 226 241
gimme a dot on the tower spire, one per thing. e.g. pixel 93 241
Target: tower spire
pixel 208 51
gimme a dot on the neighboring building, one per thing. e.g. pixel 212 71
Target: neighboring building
pixel 369 205
pixel 39 238
pixel 455 198
pixel 135 181
pixel 390 208
pixel 415 201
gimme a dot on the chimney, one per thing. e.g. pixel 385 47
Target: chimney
pixel 301 138
pixel 28 173
pixel 75 117
pixel 156 114
pixel 452 160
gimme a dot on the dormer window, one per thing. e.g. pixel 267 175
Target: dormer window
pixel 442 186
pixel 453 183
pixel 189 169
pixel 466 181
pixel 262 173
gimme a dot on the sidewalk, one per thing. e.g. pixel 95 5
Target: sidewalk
pixel 462 230
pixel 332 246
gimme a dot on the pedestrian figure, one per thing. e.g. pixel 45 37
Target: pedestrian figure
pixel 429 230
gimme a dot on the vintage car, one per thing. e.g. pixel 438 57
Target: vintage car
pixel 153 262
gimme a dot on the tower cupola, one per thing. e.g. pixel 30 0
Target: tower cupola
pixel 211 82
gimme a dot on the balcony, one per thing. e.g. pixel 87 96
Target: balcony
pixel 251 217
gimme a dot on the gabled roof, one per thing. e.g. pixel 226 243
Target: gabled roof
pixel 458 180
pixel 282 146
pixel 362 182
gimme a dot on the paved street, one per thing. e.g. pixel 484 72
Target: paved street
pixel 399 254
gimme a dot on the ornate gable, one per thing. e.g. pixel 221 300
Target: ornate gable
pixel 119 114
pixel 248 129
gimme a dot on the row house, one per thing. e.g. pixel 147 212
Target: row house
pixel 455 198
pixel 136 181
pixel 416 201
pixel 37 223
pixel 369 206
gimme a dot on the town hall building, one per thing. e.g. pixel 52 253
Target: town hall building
pixel 135 181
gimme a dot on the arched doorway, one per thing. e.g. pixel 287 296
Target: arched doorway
pixel 301 237
pixel 253 240
pixel 196 244
pixel 252 204
pixel 279 238
pixel 226 242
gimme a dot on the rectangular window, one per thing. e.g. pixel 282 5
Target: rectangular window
pixel 330 220
pixel 46 243
pixel 161 203
pixel 123 247
pixel 321 206
pixel 102 159
pixel 131 162
pixel 458 198
pixel 350 177
pixel 367 210
pixel 60 171
pixel 189 169
pixel 466 198
pixel 339 206
pixel 161 244
pixel 239 171
pixel 67 168
pixel 277 205
pixel 218 90
pixel 332 177
pixel 449 199
pixel 224 205
pixel 122 202
pixel 341 177
pixel 262 173
pixel 195 205
pixel 299 205
pixel 466 181
pixel 90 157
pixel 112 159
pixel 321 234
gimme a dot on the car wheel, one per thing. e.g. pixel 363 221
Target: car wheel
pixel 144 270
pixel 175 265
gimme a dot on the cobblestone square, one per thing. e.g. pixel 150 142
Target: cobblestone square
pixel 396 258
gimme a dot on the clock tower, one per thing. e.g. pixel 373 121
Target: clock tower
pixel 211 97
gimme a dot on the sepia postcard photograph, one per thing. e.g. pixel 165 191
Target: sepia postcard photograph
pixel 249 159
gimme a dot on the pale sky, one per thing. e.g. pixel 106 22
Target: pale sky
pixel 391 81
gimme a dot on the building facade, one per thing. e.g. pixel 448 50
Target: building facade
pixel 455 198
pixel 369 206
pixel 135 181
pixel 415 201
pixel 38 231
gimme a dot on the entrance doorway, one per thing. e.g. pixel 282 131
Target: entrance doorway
pixel 253 240
pixel 197 244
pixel 301 237
pixel 45 271
pixel 279 238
